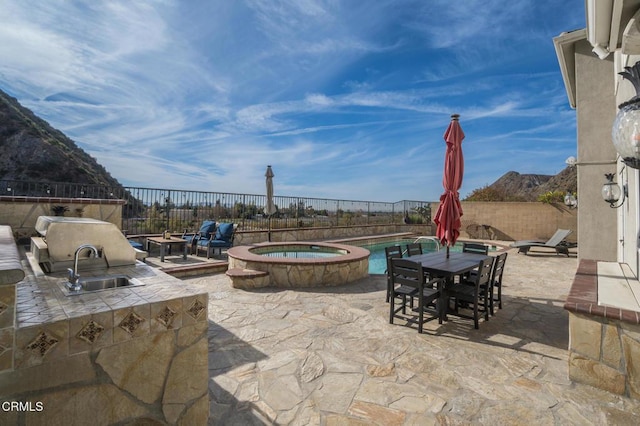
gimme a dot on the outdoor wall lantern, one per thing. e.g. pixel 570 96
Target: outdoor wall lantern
pixel 570 200
pixel 626 126
pixel 611 192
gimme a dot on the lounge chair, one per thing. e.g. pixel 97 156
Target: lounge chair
pixel 556 242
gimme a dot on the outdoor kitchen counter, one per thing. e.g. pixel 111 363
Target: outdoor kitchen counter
pixel 130 352
pixel 40 300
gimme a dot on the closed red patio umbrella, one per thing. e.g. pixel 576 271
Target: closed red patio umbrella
pixel 449 212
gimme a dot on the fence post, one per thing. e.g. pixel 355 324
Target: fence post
pixel 368 211
pixel 244 204
pixel 167 202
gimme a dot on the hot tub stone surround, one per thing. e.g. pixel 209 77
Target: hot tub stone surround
pixel 125 355
pixel 300 272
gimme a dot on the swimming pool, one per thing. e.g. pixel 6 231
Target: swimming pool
pixel 378 261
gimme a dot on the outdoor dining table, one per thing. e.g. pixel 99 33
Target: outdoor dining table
pixel 437 264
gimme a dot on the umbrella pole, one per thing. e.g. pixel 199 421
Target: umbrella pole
pixel 269 230
pixel 447 250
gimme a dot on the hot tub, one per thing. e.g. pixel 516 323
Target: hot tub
pixel 302 264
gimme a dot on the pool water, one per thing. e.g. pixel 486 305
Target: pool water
pixel 290 254
pixel 299 252
pixel 378 261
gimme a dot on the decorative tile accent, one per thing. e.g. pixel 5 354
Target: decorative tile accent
pixel 131 322
pixel 196 309
pixel 82 331
pixel 3 307
pixel 166 316
pixel 91 332
pixel 43 344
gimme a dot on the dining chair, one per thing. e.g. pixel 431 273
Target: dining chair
pixel 414 249
pixel 474 294
pixel 407 279
pixel 392 252
pixel 496 281
pixel 475 248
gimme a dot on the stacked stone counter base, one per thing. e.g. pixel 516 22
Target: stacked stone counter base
pixel 156 377
pixel 604 348
pixel 134 355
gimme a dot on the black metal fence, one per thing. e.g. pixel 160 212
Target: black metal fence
pixel 152 210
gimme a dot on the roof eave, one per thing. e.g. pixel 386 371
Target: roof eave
pixel 565 51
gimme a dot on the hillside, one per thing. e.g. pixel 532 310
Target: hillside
pixel 32 150
pixel 513 186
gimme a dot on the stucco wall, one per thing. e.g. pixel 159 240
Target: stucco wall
pixel 21 213
pixel 516 221
pixel 328 233
pixel 480 220
pixel 595 112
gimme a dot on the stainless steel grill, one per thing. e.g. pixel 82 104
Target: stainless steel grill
pixel 60 236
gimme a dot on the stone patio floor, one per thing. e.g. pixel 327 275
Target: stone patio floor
pixel 328 356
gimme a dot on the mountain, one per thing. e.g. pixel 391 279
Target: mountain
pixel 566 180
pixel 32 150
pixel 513 186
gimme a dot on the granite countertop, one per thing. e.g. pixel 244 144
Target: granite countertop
pixel 40 300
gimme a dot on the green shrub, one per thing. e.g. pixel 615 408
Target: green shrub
pixel 550 197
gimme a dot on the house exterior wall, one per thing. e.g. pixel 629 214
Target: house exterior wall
pixel 628 214
pixel 595 112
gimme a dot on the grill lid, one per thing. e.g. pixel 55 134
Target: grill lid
pixel 61 236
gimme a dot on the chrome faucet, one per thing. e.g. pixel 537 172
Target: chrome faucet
pixel 73 283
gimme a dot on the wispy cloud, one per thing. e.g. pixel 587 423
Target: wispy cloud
pixel 344 99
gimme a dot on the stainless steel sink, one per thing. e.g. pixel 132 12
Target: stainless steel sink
pixel 93 284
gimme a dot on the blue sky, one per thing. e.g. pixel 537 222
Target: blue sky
pixel 345 99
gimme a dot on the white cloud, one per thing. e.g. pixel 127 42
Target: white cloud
pixel 338 96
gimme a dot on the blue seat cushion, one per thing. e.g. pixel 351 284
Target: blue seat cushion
pixel 136 245
pixel 203 242
pixel 224 232
pixel 189 238
pixel 219 243
pixel 207 228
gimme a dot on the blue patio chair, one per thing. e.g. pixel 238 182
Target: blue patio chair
pixel 205 232
pixel 141 253
pixel 223 238
pixel 136 245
